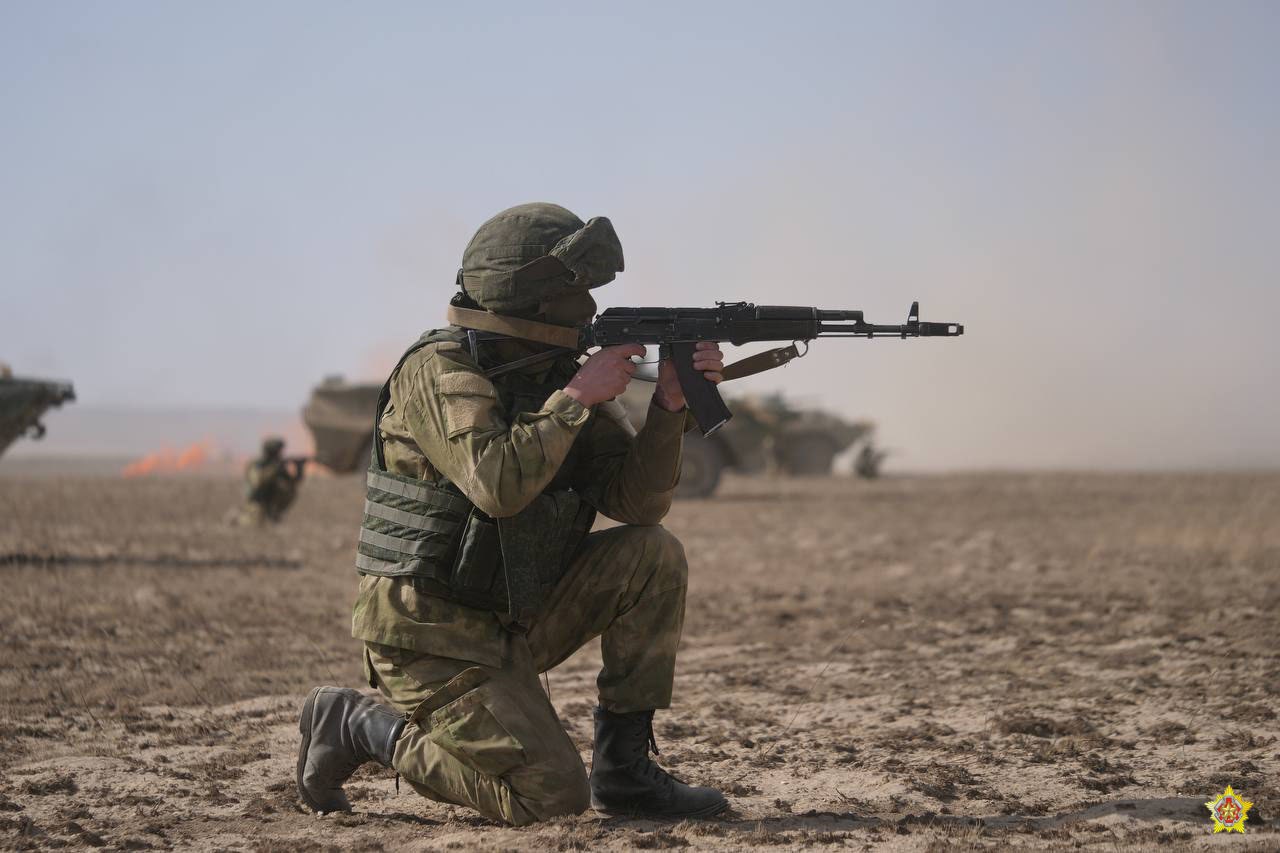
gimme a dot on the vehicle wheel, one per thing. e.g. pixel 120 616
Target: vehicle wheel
pixel 700 468
pixel 807 455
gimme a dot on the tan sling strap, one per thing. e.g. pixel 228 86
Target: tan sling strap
pixel 516 327
pixel 760 362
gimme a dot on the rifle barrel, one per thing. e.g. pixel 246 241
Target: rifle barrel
pixel 908 330
pixel 744 322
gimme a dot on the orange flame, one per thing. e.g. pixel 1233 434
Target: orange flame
pixel 169 461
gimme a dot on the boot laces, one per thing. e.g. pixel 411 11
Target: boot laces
pixel 651 768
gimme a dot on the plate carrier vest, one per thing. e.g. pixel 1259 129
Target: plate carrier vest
pixel 429 530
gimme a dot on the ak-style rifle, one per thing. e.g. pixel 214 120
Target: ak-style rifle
pixel 677 331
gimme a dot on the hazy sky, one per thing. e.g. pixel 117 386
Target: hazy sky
pixel 218 204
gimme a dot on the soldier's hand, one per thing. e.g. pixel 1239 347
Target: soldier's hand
pixel 604 375
pixel 707 357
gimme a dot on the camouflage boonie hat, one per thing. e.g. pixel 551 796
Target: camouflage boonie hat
pixel 533 254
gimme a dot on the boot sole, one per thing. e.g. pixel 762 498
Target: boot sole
pixel 304 727
pixel 709 811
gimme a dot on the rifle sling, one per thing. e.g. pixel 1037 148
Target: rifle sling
pixel 527 361
pixel 516 327
pixel 760 362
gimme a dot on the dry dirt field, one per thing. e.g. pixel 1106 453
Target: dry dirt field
pixel 933 663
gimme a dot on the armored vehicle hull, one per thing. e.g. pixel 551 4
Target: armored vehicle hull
pixel 340 418
pixel 23 401
pixel 765 435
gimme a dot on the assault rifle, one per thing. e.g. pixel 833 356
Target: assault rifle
pixel 676 331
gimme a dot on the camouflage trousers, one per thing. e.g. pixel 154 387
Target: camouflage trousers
pixel 488 737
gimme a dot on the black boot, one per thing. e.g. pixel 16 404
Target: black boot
pixel 341 729
pixel 625 781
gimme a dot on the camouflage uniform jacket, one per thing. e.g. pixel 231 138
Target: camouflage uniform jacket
pixel 445 419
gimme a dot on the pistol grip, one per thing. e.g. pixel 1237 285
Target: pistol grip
pixel 702 396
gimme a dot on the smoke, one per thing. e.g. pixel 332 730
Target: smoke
pixel 1116 277
pixel 1086 187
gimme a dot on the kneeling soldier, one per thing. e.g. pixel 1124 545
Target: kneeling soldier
pixel 271 484
pixel 478 570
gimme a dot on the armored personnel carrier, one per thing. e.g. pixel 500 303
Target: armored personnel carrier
pixel 766 434
pixel 23 401
pixel 340 418
pixel 804 442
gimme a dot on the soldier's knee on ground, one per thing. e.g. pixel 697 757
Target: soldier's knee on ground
pixel 498 748
pixel 520 796
pixel 552 781
pixel 554 795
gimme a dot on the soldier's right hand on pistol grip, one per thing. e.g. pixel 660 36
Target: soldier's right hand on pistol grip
pixel 604 375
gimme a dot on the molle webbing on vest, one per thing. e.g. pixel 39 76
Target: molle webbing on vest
pixel 418 490
pixel 410 527
pixel 405 519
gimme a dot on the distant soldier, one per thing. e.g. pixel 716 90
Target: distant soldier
pixel 867 463
pixel 271 483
